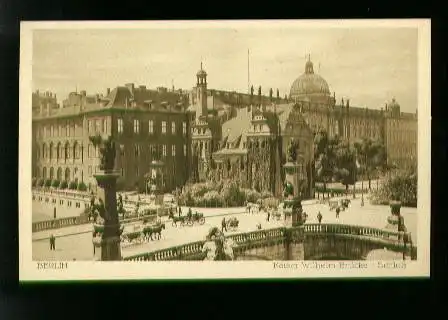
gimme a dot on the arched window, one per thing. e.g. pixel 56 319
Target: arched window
pixel 51 173
pixel 67 174
pixel 59 174
pixel 76 150
pixel 44 151
pixel 44 173
pixel 59 151
pixel 51 151
pixel 67 151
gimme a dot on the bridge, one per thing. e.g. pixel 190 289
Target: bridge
pixel 307 242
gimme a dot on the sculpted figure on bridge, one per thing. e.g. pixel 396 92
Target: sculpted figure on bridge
pixel 107 151
pixel 217 247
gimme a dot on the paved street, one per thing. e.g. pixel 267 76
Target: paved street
pixel 80 247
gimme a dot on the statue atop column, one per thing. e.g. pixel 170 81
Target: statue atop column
pixel 107 151
pixel 292 151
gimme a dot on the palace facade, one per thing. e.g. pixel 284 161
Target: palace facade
pixel 207 134
pixel 147 125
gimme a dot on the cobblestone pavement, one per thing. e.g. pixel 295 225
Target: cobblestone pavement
pixel 80 246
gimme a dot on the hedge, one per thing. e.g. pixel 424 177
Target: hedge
pixel 63 184
pixel 72 185
pixel 55 183
pixel 82 186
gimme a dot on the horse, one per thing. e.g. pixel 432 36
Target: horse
pixel 130 237
pixel 150 230
pixel 175 219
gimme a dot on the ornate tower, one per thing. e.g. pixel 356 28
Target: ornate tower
pixel 201 135
pixel 201 92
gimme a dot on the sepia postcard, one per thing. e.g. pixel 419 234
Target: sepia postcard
pixel 224 149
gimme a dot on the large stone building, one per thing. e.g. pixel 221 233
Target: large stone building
pixel 245 137
pixel 146 124
pixel 207 134
pixel 396 129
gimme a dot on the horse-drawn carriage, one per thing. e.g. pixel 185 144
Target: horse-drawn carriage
pixel 342 204
pixel 145 232
pixel 188 220
pixel 232 224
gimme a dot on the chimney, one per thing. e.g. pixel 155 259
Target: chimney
pixel 107 91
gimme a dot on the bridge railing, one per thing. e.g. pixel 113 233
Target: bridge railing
pixel 355 230
pixel 59 223
pixel 189 251
pixel 193 251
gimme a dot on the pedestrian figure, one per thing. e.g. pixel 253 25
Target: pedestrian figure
pixel 223 225
pixel 319 217
pixel 52 242
pixel 362 202
pixel 54 213
pixel 337 212
pixel 269 215
pixel 259 226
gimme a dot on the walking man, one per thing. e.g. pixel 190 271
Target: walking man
pixel 54 213
pixel 180 211
pixel 223 225
pixel 319 217
pixel 337 212
pixel 269 215
pixel 52 242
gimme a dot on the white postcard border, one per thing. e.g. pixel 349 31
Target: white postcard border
pixel 79 270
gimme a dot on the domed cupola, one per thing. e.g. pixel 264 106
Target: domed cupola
pixel 309 84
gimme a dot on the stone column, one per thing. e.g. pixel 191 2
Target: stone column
pixel 107 241
pixel 292 207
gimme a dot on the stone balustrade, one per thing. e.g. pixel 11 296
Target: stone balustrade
pixel 59 223
pixel 354 230
pixel 245 241
pixel 44 194
pixel 189 251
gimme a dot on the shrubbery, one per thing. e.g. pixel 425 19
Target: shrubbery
pixel 72 185
pixel 47 183
pixel 221 194
pixel 402 187
pixel 82 186
pixel 55 183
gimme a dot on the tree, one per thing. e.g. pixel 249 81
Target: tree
pixel 325 153
pixel 345 168
pixel 371 155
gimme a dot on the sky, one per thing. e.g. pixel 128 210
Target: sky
pixel 369 66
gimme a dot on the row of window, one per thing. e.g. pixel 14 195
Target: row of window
pixel 120 126
pixel 69 129
pixel 154 150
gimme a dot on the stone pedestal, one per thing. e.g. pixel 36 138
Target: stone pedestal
pixel 292 207
pixel 107 240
